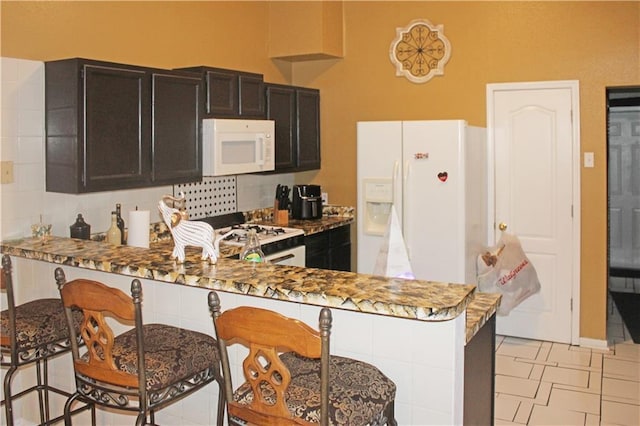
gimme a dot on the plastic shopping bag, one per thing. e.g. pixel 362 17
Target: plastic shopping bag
pixel 505 269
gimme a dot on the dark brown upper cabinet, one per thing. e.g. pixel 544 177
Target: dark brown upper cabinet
pixel 281 107
pixel 296 111
pixel 232 94
pixel 308 128
pixel 113 126
pixel 176 143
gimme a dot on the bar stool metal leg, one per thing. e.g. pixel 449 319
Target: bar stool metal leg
pixel 31 333
pixel 8 406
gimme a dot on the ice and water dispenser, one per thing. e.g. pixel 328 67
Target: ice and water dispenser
pixel 378 199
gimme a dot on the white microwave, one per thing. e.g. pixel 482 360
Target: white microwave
pixel 236 146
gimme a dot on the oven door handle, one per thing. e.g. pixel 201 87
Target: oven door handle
pixel 282 258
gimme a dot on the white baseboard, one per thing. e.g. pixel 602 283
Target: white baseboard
pixel 594 343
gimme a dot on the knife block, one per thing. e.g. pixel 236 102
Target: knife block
pixel 280 217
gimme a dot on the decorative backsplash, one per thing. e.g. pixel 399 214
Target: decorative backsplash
pixel 211 197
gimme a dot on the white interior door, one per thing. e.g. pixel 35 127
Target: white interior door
pixel 534 133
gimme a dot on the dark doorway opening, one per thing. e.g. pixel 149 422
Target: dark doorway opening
pixel 623 202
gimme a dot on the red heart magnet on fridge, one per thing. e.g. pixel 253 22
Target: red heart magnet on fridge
pixel 443 176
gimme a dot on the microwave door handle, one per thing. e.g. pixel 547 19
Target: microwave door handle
pixel 260 147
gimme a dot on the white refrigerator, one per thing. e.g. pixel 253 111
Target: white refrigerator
pixel 435 174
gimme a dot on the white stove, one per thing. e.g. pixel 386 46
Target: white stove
pixel 238 234
pixel 281 245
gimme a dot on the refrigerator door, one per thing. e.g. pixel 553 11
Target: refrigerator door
pixel 434 198
pixel 379 152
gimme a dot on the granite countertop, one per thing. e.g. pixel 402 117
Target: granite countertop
pixel 413 299
pixel 332 217
pixel 481 308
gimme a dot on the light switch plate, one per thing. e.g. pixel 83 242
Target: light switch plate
pixel 588 159
pixel 6 172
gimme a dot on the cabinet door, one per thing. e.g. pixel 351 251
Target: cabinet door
pixel 251 88
pixel 281 108
pixel 317 248
pixel 222 93
pixel 330 249
pixel 116 128
pixel 177 145
pixel 341 248
pixel 308 119
pixel 341 258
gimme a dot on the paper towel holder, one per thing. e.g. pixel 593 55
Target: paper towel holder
pixel 138 232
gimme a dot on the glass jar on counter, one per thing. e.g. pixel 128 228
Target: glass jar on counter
pixel 80 229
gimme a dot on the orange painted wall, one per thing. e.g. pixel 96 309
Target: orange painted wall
pixel 597 43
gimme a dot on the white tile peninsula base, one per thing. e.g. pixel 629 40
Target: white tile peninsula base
pixel 425 359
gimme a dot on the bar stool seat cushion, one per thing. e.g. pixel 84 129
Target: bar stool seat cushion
pixel 358 391
pixel 171 354
pixel 38 323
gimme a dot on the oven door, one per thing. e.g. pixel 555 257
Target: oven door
pixel 292 257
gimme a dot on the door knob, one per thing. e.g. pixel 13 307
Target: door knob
pixel 502 226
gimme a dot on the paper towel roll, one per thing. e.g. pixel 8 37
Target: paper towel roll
pixel 138 228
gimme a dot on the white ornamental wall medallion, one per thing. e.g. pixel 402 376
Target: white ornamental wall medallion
pixel 420 51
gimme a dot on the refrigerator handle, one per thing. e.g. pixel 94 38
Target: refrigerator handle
pixel 406 208
pixel 396 166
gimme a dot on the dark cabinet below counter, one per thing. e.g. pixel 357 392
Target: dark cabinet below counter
pixel 114 126
pixel 479 375
pixel 330 249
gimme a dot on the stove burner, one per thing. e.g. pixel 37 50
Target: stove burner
pixel 272 239
pixel 260 230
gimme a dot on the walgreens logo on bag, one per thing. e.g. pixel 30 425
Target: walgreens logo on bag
pixel 511 275
pixel 506 269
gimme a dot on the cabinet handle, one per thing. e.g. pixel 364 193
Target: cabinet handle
pixel 282 258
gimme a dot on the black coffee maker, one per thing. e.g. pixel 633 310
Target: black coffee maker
pixel 306 202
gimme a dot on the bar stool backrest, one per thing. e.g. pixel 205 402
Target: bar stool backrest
pixel 146 367
pixel 97 300
pixel 6 283
pixel 268 334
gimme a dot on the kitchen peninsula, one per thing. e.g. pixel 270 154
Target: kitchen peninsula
pixel 414 331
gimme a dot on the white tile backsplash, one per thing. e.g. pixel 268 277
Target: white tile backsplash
pixel 31 122
pixel 8 69
pixel 29 177
pixel 9 148
pixel 31 86
pixel 23 124
pixel 258 191
pixel 10 95
pixel 30 150
pixel 23 139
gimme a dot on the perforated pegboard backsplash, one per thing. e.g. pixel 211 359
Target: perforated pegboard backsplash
pixel 211 197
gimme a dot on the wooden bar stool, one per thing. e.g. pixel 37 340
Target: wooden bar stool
pixel 31 333
pixel 143 369
pixel 290 377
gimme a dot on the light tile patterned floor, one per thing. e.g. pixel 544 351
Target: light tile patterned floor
pixel 543 383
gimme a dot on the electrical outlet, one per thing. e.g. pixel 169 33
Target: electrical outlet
pixel 6 172
pixel 325 198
